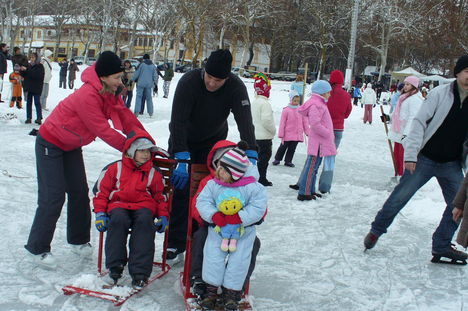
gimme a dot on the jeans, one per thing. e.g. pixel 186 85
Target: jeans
pixel 149 99
pixel 44 94
pixel 128 99
pixel 326 177
pixel 309 175
pixel 449 176
pixel 37 104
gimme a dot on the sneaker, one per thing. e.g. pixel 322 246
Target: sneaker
pixel 83 250
pixel 295 187
pixel 276 162
pixel 370 240
pixel 305 197
pixel 231 298
pixel 45 260
pixel 139 281
pixel 289 164
pixel 28 121
pixel 115 273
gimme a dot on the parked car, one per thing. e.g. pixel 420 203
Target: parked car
pixel 79 60
pixel 134 62
pixel 246 74
pixel 183 68
pixel 283 75
pixel 90 61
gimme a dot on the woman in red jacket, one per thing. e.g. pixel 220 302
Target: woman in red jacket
pixel 76 122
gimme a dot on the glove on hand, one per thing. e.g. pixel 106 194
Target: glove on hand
pixel 161 223
pixel 252 155
pixel 102 221
pixel 385 118
pixel 373 105
pixel 219 219
pixel 180 175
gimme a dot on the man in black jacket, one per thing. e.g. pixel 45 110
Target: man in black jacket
pixel 33 82
pixel 203 100
pixel 3 65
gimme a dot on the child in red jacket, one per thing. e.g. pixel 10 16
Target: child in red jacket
pixel 130 196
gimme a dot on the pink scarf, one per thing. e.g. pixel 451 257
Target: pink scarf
pixel 396 122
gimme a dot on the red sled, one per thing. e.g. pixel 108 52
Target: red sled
pixel 165 166
pixel 197 173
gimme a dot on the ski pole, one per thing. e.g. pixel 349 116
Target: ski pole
pixel 389 142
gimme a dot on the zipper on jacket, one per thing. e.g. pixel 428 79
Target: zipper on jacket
pixel 81 139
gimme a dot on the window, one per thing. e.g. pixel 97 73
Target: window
pixel 62 50
pixel 49 33
pixel 145 42
pixel 39 34
pixel 91 53
pixel 74 52
pixel 150 42
pixel 50 48
pixel 140 41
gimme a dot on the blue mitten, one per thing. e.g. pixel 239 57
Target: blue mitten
pixel 253 156
pixel 102 221
pixel 161 223
pixel 180 175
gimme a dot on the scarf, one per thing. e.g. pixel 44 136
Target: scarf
pixel 396 122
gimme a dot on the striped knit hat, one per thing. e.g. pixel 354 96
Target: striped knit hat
pixel 235 162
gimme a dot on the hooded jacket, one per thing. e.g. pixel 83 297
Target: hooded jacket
pixel 81 117
pixel 369 97
pixel 45 61
pixel 339 104
pixel 123 184
pixel 321 140
pixel 293 125
pixel 146 74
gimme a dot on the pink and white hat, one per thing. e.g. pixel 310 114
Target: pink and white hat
pixel 413 80
pixel 236 162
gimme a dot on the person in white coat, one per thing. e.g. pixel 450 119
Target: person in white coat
pixel 45 61
pixel 369 99
pixel 265 130
pixel 406 109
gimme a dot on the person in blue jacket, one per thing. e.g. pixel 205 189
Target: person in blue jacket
pixel 230 200
pixel 145 77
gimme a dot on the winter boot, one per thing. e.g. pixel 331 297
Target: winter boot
pixel 305 197
pixel 225 245
pixel 318 195
pixel 232 245
pixel 455 256
pixel 210 297
pixel 370 240
pixel 231 299
pixel 82 250
pixel 115 273
pixel 198 286
pixel 139 281
pixel 28 121
pixel 295 187
pixel 276 162
pixel 44 260
pixel 289 164
pixel 38 121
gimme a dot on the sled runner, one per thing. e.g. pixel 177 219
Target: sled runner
pixel 117 293
pixel 197 173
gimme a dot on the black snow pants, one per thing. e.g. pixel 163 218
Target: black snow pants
pixel 141 244
pixel 58 173
pixel 264 155
pixel 288 147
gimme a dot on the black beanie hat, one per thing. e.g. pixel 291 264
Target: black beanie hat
pixel 108 63
pixel 219 64
pixel 461 64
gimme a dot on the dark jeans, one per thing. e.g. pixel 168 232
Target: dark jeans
pixel 63 82
pixel 264 155
pixel 58 173
pixel 128 99
pixel 449 176
pixel 199 238
pixel 288 147
pixel 180 206
pixel 143 101
pixel 37 105
pixel 141 244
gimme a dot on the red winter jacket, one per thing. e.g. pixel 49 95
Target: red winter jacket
pixel 85 115
pixel 339 104
pixel 123 184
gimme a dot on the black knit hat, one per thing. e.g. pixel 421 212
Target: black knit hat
pixel 219 64
pixel 108 63
pixel 461 64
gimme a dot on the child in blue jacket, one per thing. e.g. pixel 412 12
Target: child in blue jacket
pixel 230 178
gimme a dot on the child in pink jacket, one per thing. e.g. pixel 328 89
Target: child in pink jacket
pixel 291 130
pixel 321 141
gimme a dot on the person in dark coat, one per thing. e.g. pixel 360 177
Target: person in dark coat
pixel 203 100
pixel 33 82
pixel 3 65
pixel 72 69
pixel 63 74
pixel 19 58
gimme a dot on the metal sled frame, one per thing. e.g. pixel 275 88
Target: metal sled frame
pixel 166 166
pixel 197 173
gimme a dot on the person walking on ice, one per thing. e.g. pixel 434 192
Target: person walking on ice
pixel 433 148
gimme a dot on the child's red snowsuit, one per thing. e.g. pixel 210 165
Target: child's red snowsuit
pixel 16 90
pixel 124 185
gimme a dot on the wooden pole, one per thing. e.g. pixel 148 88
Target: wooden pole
pixel 305 82
pixel 389 143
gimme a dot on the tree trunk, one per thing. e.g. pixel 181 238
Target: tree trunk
pixel 251 53
pixel 221 37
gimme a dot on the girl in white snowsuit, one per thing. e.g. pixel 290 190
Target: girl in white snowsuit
pixel 231 276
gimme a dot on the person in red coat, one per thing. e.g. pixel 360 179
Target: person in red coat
pixel 129 195
pixel 76 122
pixel 339 106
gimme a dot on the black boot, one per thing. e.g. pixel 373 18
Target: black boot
pixel 139 281
pixel 115 273
pixel 209 299
pixel 455 257
pixel 231 299
pixel 305 197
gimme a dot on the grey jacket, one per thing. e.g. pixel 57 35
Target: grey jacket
pixel 429 118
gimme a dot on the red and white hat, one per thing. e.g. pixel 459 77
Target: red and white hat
pixel 236 162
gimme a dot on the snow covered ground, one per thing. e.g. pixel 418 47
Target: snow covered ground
pixel 312 252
